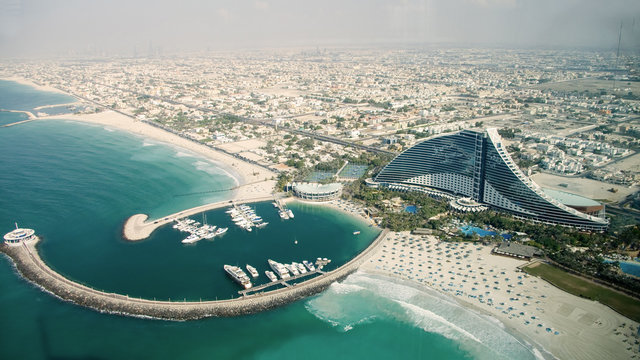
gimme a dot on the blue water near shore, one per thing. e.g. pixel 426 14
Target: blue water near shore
pixel 76 184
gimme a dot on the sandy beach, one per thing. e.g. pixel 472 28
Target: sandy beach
pixel 41 87
pixel 564 325
pixel 253 180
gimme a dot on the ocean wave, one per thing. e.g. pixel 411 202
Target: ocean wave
pixel 364 298
pixel 432 322
pixel 207 167
pixel 344 288
pixel 184 154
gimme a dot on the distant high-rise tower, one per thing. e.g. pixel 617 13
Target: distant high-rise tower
pixel 477 165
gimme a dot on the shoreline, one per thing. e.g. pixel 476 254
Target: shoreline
pixel 549 319
pixel 37 86
pixel 340 205
pixel 241 171
pixel 519 336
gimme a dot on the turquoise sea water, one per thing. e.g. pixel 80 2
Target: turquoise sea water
pixel 76 184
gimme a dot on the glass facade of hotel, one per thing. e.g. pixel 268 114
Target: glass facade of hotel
pixel 476 165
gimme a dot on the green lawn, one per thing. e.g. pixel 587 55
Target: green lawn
pixel 626 305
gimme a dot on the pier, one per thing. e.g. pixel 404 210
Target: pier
pixel 28 113
pixel 138 228
pixel 283 282
pixel 29 264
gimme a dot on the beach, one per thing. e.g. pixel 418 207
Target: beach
pixel 564 325
pixel 252 180
pixel 37 86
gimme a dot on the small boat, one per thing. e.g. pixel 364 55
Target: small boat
pixel 309 265
pixel 280 269
pixel 300 267
pixel 254 273
pixel 191 239
pixel 292 269
pixel 275 205
pixel 271 276
pixel 356 232
pixel 220 231
pixel 290 213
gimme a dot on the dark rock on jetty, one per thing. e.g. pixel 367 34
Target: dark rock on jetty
pixel 31 266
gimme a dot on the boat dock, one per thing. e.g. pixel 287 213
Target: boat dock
pixel 256 289
pixel 138 228
pixel 284 213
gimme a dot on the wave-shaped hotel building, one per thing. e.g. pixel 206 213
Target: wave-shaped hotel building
pixel 477 165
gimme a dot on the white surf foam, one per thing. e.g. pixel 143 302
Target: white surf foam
pixel 431 322
pixel 363 298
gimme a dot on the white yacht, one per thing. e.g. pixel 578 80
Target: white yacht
pixel 279 269
pixel 292 269
pixel 309 265
pixel 254 273
pixel 220 231
pixel 191 239
pixel 271 276
pixel 238 275
pixel 300 267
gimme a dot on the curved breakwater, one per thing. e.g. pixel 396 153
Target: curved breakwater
pixel 30 265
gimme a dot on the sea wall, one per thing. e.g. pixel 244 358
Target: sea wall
pixel 31 267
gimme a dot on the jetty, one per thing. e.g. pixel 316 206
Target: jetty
pixel 138 228
pixel 28 113
pixel 27 261
pixel 283 282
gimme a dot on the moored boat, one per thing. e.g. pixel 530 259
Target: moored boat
pixel 254 273
pixel 271 276
pixel 238 276
pixel 279 269
pixel 309 265
pixel 191 239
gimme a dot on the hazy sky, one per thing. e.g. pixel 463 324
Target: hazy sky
pixel 43 27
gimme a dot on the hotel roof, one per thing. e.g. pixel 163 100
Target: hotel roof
pixel 571 199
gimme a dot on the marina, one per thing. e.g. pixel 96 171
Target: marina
pixel 283 211
pixel 196 231
pixel 245 217
pixel 284 282
pixel 286 272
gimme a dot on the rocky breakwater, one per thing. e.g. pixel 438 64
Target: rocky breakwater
pixel 30 265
